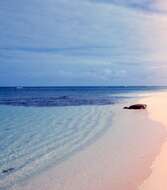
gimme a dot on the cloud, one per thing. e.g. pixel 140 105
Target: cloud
pixel 78 42
pixel 154 6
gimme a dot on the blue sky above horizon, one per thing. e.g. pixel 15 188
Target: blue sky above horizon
pixel 95 42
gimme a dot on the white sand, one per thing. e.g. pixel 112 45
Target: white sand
pixel 158 178
pixel 120 160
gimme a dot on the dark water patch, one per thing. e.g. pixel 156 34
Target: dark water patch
pixel 68 96
pixel 60 101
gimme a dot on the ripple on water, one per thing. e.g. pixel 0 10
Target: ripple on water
pixel 31 139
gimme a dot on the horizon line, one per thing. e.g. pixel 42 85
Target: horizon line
pixel 61 86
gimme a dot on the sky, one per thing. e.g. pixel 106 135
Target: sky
pixel 76 42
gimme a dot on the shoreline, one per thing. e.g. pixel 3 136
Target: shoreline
pixel 121 159
pixel 157 178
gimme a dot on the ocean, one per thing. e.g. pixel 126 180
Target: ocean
pixel 44 126
pixel 68 96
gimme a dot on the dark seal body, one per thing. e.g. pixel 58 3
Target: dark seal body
pixel 137 106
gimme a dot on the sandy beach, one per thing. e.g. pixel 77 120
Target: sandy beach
pixel 130 156
pixel 158 112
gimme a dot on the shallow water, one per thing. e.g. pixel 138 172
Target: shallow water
pixel 31 139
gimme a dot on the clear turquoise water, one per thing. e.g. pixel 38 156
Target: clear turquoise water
pixel 33 138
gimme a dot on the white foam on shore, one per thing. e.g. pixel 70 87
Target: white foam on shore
pixel 120 159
